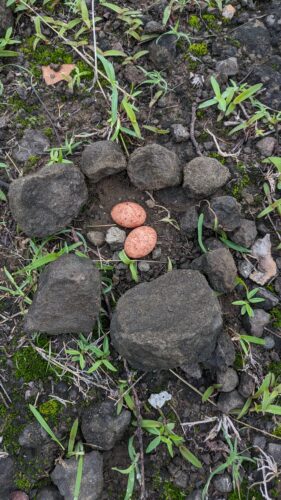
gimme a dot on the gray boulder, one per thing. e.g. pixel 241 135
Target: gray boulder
pixel 203 176
pixel 46 201
pixel 33 143
pixel 154 167
pixel 6 17
pixel 246 234
pixel 101 159
pixel 67 299
pixel 220 269
pixel 168 322
pixel 102 427
pixel 64 477
pixel 225 211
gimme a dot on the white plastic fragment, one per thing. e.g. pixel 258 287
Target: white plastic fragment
pixel 158 400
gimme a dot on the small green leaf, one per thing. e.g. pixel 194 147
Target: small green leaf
pixel 190 457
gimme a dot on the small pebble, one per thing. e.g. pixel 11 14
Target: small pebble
pixel 143 267
pixel 115 237
pixel 156 254
pixel 128 214
pixel 140 242
pixel 96 237
pixel 228 12
pixel 269 343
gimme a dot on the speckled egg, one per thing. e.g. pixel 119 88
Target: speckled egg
pixel 128 214
pixel 140 242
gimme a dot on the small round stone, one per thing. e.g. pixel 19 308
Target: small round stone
pixel 140 242
pixel 128 214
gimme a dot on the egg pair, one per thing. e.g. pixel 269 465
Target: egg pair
pixel 142 239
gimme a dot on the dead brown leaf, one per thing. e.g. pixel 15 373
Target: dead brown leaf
pixel 52 77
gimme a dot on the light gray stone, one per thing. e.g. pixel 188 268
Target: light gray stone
pixel 203 176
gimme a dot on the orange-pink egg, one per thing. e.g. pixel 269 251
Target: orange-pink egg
pixel 140 242
pixel 128 214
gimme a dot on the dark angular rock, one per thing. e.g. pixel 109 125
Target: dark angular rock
pixel 246 234
pixel 101 159
pixel 49 493
pixel 219 267
pixel 7 469
pixel 67 299
pixel 64 477
pixel 46 201
pixel 228 380
pixel 189 221
pixel 168 322
pixel 225 352
pixel 162 52
pixel 102 426
pixel 247 385
pixel 33 436
pixel 254 38
pixel 229 401
pixel 256 324
pixel 270 299
pixel 203 176
pixel 154 167
pixel 33 143
pixel 227 212
pixel 6 18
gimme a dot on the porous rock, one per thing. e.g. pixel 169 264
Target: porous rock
pixel 254 38
pixel 102 427
pixel 203 176
pixel 67 299
pixel 154 167
pixel 225 211
pixel 101 159
pixel 64 477
pixel 33 143
pixel 46 201
pixel 167 322
pixel 229 401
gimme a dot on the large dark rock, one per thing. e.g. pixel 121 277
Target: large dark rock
pixel 102 427
pixel 6 17
pixel 64 477
pixel 33 143
pixel 101 159
pixel 46 201
pixel 254 38
pixel 168 322
pixel 225 212
pixel 246 234
pixel 203 176
pixel 154 167
pixel 67 299
pixel 7 469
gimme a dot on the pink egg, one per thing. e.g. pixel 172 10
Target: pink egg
pixel 128 214
pixel 140 242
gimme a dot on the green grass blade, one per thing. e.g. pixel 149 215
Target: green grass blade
pixel 200 233
pixel 44 425
pixel 72 437
pixel 79 474
pixel 234 246
pixel 187 455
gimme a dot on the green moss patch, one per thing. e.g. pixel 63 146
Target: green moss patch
pixel 29 365
pixel 198 49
